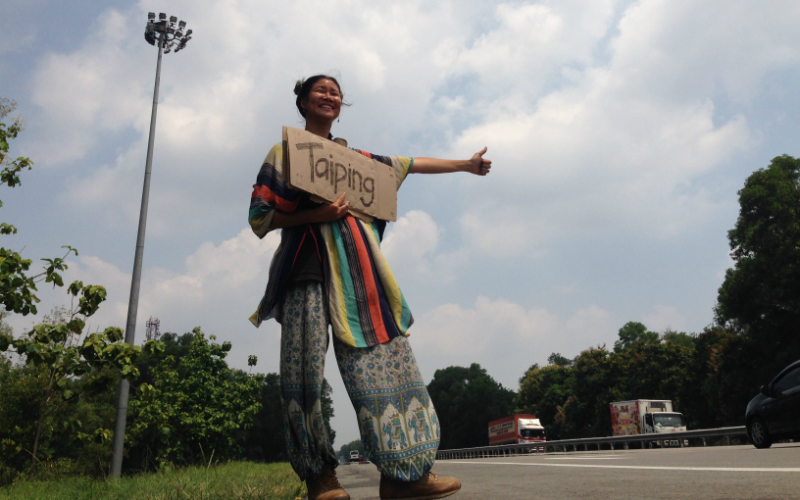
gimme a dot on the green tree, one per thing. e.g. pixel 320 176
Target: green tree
pixel 197 407
pixel 760 296
pixel 16 286
pixel 652 371
pixel 543 393
pixel 534 366
pixel 557 359
pixel 595 384
pixel 69 443
pixel 633 332
pixel 466 400
pixel 58 350
pixel 708 398
pixel 682 339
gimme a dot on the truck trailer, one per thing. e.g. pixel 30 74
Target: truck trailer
pixel 646 416
pixel 516 429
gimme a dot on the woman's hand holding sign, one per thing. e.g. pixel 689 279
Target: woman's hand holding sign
pixel 332 211
pixel 327 212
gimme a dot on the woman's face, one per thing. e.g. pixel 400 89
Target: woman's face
pixel 324 101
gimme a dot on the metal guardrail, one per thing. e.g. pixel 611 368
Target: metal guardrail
pixel 682 439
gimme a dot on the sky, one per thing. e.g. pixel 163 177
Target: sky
pixel 620 133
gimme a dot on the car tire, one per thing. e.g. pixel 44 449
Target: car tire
pixel 757 430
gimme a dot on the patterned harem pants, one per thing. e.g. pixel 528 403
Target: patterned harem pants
pixel 398 424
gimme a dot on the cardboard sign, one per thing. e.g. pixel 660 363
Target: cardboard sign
pixel 326 169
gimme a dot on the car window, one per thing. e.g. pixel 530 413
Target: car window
pixel 791 379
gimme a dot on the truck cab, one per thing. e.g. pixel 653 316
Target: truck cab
pixel 658 417
pixel 657 423
pixel 530 430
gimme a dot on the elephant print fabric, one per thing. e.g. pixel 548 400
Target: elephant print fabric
pixel 398 424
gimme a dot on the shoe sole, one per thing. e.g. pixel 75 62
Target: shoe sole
pixel 428 497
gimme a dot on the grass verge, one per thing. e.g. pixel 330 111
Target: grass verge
pixel 232 481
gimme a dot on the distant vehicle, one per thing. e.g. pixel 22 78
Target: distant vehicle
pixel 646 416
pixel 355 456
pixel 775 412
pixel 516 429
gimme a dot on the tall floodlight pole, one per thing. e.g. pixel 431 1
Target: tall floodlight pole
pixel 167 35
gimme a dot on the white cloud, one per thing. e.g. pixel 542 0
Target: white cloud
pixel 88 92
pixel 503 231
pixel 665 318
pixel 410 239
pixel 614 144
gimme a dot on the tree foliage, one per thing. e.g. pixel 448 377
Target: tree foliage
pixel 760 296
pixel 557 359
pixel 543 392
pixel 197 406
pixel 56 352
pixel 466 400
pixel 691 370
pixel 631 333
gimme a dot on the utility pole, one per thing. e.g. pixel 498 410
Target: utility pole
pixel 166 35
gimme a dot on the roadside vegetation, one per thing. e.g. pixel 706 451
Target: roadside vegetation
pixel 232 481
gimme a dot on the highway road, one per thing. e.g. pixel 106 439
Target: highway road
pixel 720 472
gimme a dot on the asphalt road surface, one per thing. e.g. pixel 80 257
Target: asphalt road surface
pixel 720 472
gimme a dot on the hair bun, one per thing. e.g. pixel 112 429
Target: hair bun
pixel 298 85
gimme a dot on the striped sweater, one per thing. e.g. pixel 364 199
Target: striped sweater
pixel 365 304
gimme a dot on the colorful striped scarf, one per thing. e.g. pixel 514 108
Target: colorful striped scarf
pixel 365 304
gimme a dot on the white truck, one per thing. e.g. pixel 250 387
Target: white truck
pixel 646 416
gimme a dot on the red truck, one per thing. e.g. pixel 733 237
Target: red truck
pixel 516 429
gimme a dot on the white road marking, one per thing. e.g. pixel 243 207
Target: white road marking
pixel 637 467
pixel 584 458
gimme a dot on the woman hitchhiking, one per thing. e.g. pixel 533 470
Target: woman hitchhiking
pixel 329 269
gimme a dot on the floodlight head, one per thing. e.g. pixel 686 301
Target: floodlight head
pixel 149 33
pixel 162 16
pixel 182 24
pixel 151 16
pixel 173 19
pixel 188 32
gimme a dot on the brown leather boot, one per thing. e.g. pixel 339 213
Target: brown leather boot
pixel 326 486
pixel 429 487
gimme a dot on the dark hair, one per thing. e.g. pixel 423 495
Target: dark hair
pixel 303 87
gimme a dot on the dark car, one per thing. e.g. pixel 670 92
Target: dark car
pixel 775 413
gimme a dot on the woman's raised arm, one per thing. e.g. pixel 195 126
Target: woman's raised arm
pixel 477 165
